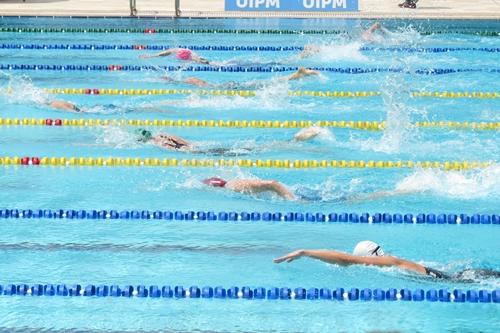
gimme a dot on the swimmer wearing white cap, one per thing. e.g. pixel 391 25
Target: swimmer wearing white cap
pixel 370 253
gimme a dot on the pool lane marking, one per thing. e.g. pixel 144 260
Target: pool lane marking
pixel 153 30
pixel 253 93
pixel 267 124
pixel 265 48
pixel 200 215
pixel 242 69
pixel 88 161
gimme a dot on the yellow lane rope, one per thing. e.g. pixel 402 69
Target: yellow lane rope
pixel 350 124
pixel 244 163
pixel 252 93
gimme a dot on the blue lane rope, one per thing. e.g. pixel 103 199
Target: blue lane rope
pixel 270 69
pixel 136 47
pixel 249 293
pixel 385 218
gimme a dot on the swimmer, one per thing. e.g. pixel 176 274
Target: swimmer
pixel 172 142
pixel 179 53
pixel 368 35
pixel 309 133
pixel 176 143
pixel 63 105
pixel 252 186
pixel 301 73
pixel 371 254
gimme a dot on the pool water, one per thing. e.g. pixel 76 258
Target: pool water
pixel 173 253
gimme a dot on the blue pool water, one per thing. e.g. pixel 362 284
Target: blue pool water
pixel 240 254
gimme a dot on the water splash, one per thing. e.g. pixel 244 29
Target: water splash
pixel 21 90
pixel 454 184
pixel 117 137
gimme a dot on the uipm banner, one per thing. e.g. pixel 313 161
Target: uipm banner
pixel 292 5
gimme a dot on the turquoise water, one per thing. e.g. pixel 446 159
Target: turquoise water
pixel 203 253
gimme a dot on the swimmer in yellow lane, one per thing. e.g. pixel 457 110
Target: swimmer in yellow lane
pixel 63 105
pixel 252 186
pixel 301 73
pixel 371 254
pixel 179 53
pixel 176 143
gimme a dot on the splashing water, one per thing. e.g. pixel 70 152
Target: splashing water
pixel 454 184
pixel 21 90
pixel 117 137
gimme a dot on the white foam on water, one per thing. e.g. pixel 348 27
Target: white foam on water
pixel 454 184
pixel 335 51
pixel 117 137
pixel 21 90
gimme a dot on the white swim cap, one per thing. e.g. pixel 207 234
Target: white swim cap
pixel 368 249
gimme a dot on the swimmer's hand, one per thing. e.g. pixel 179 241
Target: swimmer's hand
pixel 289 257
pixel 146 56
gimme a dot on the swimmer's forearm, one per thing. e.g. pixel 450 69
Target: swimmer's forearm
pixel 329 256
pixel 282 191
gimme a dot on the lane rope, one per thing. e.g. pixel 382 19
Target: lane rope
pixel 258 293
pixel 225 31
pixel 88 161
pixel 350 124
pixel 135 47
pixel 240 69
pixel 380 218
pixel 253 93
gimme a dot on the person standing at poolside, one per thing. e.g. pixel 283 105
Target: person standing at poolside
pixel 371 254
pixel 179 53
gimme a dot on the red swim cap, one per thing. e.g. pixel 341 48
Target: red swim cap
pixel 214 181
pixel 184 54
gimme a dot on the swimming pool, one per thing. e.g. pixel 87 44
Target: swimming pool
pixel 400 71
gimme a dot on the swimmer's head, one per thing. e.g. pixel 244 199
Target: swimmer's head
pixel 214 181
pixel 184 54
pixel 143 135
pixel 368 249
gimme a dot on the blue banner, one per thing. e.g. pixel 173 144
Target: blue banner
pixel 292 5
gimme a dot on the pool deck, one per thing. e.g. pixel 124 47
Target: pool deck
pixel 435 9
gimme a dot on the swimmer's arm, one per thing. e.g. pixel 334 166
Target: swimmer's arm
pixel 345 259
pixel 257 186
pixel 180 140
pixel 160 54
pixel 307 133
pixel 328 256
pixel 196 58
pixel 63 105
pixel 279 189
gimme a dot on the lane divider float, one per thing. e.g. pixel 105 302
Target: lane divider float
pixel 88 161
pixel 226 31
pixel 251 293
pixel 349 124
pixel 253 93
pixel 232 216
pixel 135 47
pixel 240 69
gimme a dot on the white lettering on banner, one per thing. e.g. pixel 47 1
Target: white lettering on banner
pixel 322 4
pixel 258 3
